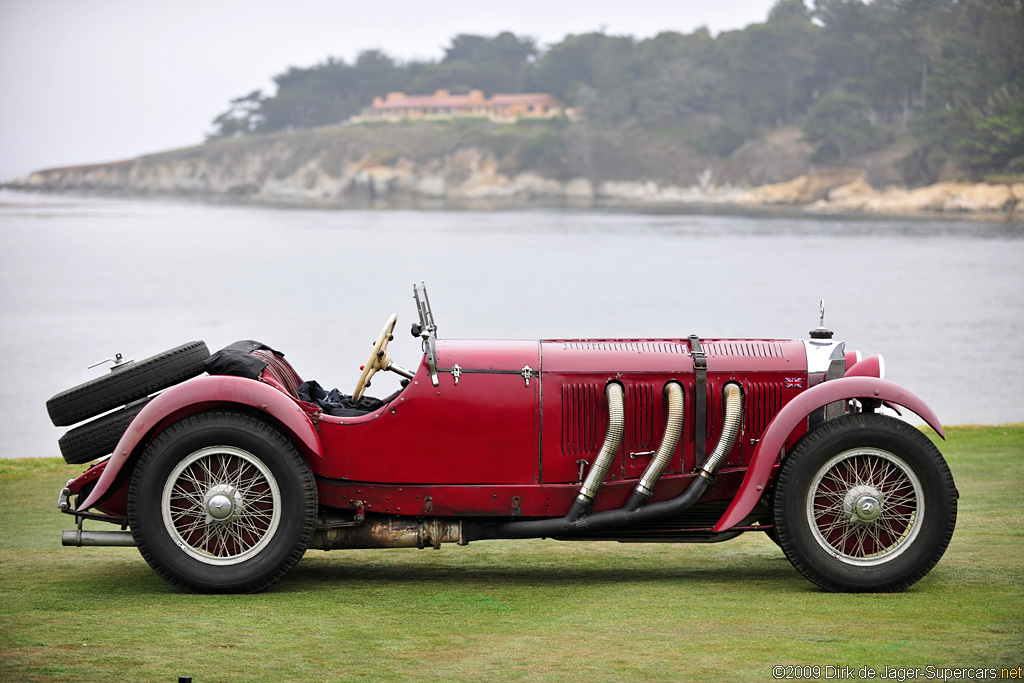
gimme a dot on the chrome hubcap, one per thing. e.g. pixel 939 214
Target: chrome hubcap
pixel 223 504
pixel 868 509
pixel 865 506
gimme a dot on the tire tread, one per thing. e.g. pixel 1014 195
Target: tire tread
pixel 134 381
pixel 806 446
pixel 286 448
pixel 98 438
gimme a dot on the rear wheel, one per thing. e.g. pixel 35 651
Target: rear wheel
pixel 865 503
pixel 222 502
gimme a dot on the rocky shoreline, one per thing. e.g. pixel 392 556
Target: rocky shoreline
pixel 276 174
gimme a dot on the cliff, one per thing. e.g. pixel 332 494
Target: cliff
pixel 473 161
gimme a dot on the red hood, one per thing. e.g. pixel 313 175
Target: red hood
pixel 671 355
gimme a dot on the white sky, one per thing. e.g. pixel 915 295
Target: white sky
pixel 85 81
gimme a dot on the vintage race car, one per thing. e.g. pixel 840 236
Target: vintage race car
pixel 226 479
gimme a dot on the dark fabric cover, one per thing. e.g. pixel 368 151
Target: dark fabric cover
pixel 237 360
pixel 335 403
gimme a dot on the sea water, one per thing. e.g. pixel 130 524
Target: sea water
pixel 84 278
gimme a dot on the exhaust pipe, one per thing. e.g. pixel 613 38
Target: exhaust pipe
pixel 730 427
pixel 673 429
pixel 379 531
pixel 612 440
pixel 612 519
pixel 80 538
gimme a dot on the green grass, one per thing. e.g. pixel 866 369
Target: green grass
pixel 511 610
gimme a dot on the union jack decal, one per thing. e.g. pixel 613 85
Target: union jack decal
pixel 794 383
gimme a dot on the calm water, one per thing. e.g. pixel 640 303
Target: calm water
pixel 81 279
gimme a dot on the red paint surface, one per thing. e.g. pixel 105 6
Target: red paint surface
pixel 869 367
pixel 496 444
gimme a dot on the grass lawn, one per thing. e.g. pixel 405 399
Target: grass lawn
pixel 512 610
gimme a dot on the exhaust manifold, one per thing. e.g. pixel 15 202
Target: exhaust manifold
pixel 575 522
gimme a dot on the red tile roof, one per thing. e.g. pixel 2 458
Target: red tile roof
pixel 400 101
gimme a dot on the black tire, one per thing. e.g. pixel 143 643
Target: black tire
pixel 98 438
pixel 127 383
pixel 865 503
pixel 267 522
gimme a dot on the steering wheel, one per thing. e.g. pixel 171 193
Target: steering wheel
pixel 378 359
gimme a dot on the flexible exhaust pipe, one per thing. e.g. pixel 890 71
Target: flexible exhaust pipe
pixel 673 429
pixel 613 519
pixel 612 441
pixel 730 427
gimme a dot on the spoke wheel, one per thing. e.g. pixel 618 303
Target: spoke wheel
pixel 864 506
pixel 221 505
pixel 864 503
pixel 222 502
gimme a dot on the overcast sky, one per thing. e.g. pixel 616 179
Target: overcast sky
pixel 86 81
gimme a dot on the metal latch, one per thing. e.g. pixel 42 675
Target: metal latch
pixel 640 454
pixel 583 465
pixel 456 373
pixel 527 373
pixel 118 360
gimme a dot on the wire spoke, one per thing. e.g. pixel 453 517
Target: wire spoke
pixel 196 524
pixel 246 523
pixel 860 475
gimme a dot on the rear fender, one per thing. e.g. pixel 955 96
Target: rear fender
pixel 201 393
pixel 769 450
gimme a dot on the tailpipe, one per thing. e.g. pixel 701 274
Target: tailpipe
pixel 79 538
pixel 673 429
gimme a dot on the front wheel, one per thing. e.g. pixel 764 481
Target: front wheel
pixel 222 502
pixel 865 503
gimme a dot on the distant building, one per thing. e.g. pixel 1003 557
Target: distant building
pixel 443 105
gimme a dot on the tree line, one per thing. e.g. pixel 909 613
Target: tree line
pixel 946 75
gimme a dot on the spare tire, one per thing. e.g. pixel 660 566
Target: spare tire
pixel 98 438
pixel 127 383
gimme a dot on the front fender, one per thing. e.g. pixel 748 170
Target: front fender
pixel 769 450
pixel 216 389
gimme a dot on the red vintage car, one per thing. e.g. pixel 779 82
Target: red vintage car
pixel 226 478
